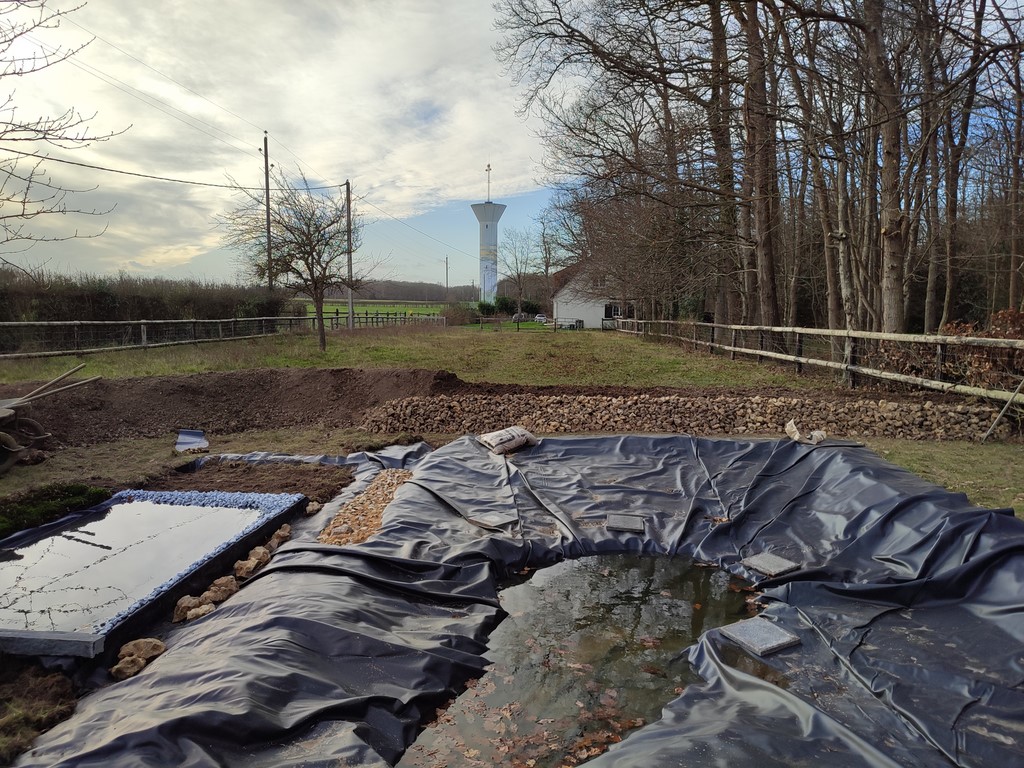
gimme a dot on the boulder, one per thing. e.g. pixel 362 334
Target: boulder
pixel 145 648
pixel 198 613
pixel 127 667
pixel 185 604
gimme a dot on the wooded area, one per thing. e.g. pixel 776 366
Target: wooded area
pixel 839 163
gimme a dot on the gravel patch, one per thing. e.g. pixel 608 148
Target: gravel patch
pixel 696 415
pixel 360 518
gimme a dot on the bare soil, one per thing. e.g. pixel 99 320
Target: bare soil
pixel 224 402
pixel 238 401
pixel 229 403
pixel 317 482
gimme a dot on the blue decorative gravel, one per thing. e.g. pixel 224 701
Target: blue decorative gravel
pixel 268 503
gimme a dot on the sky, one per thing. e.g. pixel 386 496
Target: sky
pixel 403 97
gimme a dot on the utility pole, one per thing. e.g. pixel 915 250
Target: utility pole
pixel 266 182
pixel 348 237
pixel 446 278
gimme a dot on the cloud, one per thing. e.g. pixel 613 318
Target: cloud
pixel 403 97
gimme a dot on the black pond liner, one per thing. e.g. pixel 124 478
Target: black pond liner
pixel 908 603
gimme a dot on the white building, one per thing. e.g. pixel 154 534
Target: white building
pixel 576 298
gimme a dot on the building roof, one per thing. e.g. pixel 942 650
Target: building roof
pixel 563 277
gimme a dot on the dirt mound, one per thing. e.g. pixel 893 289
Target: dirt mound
pixel 317 482
pixel 237 401
pixel 226 402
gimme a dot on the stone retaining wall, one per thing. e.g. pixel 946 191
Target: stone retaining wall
pixel 705 415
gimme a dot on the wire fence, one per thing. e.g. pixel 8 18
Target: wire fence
pixel 81 337
pixel 970 365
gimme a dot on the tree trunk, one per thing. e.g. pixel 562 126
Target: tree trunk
pixel 891 213
pixel 761 148
pixel 321 332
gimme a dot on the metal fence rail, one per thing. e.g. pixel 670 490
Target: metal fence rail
pixel 969 365
pixel 82 337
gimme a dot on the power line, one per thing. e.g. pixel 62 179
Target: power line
pixel 191 122
pixel 162 74
pixel 148 99
pixel 414 229
pixel 156 178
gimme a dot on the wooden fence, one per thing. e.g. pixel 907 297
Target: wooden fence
pixel 943 363
pixel 83 337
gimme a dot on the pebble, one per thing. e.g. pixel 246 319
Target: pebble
pixel 694 415
pixel 361 517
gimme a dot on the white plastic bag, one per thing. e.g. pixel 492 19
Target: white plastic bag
pixel 507 440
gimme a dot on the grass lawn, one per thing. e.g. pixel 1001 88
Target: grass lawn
pixel 472 352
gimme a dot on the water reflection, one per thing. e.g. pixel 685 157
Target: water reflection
pixel 77 578
pixel 585 656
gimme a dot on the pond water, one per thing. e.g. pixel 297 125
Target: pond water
pixel 80 578
pixel 589 652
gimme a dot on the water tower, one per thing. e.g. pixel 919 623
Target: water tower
pixel 488 214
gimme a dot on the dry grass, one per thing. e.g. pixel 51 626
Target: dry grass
pixel 31 700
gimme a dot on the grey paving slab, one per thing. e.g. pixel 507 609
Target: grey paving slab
pixel 769 564
pixel 760 636
pixel 627 523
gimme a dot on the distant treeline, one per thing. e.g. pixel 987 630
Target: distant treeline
pixel 52 297
pixel 401 291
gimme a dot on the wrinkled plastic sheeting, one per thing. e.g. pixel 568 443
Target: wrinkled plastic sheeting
pixel 908 603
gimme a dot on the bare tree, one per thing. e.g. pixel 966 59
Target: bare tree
pixel 309 237
pixel 27 193
pixel 518 256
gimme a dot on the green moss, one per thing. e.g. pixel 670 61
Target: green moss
pixel 47 504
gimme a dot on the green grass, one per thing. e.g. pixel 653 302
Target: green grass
pixel 361 307
pixel 46 504
pixel 474 354
pixel 988 474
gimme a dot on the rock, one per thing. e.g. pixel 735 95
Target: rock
pixel 313 507
pixel 145 648
pixel 197 613
pixel 220 590
pixel 127 667
pixel 281 535
pixel 185 604
pixel 260 554
pixel 246 568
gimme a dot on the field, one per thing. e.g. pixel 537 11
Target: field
pixel 339 307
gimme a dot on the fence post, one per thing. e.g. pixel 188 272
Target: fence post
pixel 940 360
pixel 799 352
pixel 732 343
pixel 760 345
pixel 850 359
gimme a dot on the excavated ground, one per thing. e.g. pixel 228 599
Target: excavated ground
pixel 416 401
